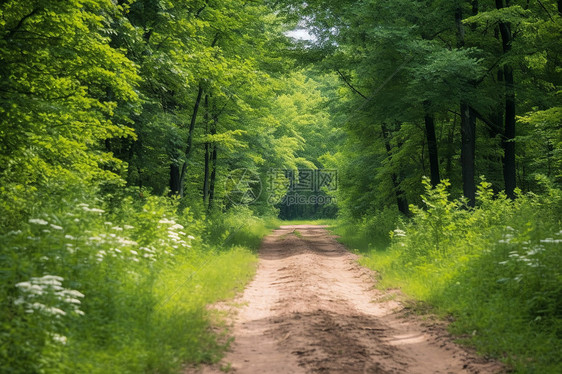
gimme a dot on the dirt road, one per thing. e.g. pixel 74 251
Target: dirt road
pixel 312 309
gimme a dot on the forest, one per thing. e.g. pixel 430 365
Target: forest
pixel 147 147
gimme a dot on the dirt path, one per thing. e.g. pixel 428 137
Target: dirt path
pixel 311 308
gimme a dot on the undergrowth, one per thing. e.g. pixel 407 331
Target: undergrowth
pixel 495 269
pixel 91 286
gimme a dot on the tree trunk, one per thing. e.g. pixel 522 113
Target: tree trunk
pixel 213 165
pixel 508 144
pixel 468 136
pixel 468 127
pixel 213 177
pixel 432 146
pixel 401 200
pixel 174 178
pixel 189 145
pixel 207 154
pixel 509 171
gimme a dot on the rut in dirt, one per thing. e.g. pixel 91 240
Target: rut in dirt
pixel 312 309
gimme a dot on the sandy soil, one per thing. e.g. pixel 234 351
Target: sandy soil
pixel 312 309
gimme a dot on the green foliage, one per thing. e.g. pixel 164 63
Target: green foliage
pixel 62 90
pixel 91 287
pixel 494 268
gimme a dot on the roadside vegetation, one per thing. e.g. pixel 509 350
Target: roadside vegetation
pixel 99 288
pixel 494 270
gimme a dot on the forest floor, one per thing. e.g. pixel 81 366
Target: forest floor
pixel 312 309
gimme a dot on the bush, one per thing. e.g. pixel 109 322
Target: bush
pixel 494 268
pixel 91 286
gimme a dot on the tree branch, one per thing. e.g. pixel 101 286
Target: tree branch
pixel 350 86
pixel 20 24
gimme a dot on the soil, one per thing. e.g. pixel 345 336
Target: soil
pixel 312 308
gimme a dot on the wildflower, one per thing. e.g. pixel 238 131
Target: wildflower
pixel 399 233
pixel 167 221
pixel 38 221
pixel 124 242
pixel 59 339
pixel 134 252
pixel 117 228
pixel 191 237
pixel 48 278
pixel 128 227
pixel 56 227
pixel 69 237
pixel 73 293
pixel 55 311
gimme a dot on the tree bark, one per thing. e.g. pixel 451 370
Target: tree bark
pixel 468 148
pixel 508 144
pixel 432 145
pixel 509 170
pixel 401 200
pixel 207 154
pixel 213 177
pixel 213 165
pixel 177 175
pixel 468 126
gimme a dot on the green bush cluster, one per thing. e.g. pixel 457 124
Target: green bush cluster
pixel 494 268
pixel 91 286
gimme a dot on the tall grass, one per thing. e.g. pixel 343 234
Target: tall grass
pixel 91 286
pixel 495 269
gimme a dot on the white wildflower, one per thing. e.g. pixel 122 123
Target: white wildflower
pixel 73 293
pixel 128 227
pixel 69 237
pixel 49 278
pixel 167 221
pixel 56 227
pixel 59 339
pixel 38 221
pixel 134 252
pixel 191 237
pixel 399 233
pixel 124 241
pixel 55 311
